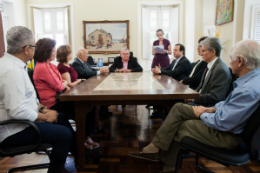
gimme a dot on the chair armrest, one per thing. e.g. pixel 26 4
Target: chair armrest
pixel 22 149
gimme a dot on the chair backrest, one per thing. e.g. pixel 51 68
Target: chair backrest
pixel 231 87
pixel 90 60
pixel 30 73
pixel 251 133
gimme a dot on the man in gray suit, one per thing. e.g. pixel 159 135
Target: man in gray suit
pixel 216 79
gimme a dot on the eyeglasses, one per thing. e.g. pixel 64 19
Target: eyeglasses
pixel 35 47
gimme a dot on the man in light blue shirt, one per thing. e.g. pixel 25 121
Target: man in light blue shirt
pixel 217 126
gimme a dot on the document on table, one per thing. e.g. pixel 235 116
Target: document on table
pixel 159 49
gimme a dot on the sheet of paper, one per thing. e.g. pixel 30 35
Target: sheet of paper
pixel 159 49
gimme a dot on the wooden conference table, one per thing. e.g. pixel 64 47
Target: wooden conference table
pixel 122 89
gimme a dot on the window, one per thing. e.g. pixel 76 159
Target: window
pixel 153 18
pixel 51 23
pixel 255 23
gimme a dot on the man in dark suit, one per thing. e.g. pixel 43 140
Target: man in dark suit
pixel 81 66
pixel 125 63
pixel 216 78
pixel 198 68
pixel 179 68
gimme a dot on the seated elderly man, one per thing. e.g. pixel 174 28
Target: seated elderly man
pixel 18 101
pixel 180 66
pixel 214 126
pixel 83 68
pixel 216 78
pixel 125 63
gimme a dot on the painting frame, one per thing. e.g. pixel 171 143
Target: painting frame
pixel 102 46
pixel 228 8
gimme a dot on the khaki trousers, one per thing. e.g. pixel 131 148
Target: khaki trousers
pixel 180 122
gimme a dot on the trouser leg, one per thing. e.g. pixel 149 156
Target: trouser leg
pixel 166 133
pixel 59 136
pixel 196 129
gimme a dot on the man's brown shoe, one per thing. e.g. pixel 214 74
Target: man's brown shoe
pixel 147 156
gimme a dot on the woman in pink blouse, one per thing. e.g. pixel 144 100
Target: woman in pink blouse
pixel 47 79
pixel 48 82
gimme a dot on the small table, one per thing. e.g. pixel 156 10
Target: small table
pixel 122 89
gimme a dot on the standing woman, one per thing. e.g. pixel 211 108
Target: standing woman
pixel 161 59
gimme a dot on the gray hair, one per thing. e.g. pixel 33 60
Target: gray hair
pixel 17 37
pixel 79 51
pixel 212 43
pixel 159 30
pixel 249 50
pixel 124 49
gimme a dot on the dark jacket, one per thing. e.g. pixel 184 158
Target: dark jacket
pixel 132 64
pixel 181 70
pixel 84 70
pixel 216 85
pixel 195 79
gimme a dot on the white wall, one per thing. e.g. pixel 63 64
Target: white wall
pixel 89 10
pixel 20 11
pixel 247 17
pixel 189 27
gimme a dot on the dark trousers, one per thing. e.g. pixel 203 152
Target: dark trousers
pixel 60 135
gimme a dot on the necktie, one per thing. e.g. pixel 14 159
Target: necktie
pixel 203 79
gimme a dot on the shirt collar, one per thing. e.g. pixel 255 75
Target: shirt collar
pixel 17 61
pixel 246 77
pixel 211 63
pixel 178 59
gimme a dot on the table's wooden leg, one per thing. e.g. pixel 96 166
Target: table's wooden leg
pixel 81 109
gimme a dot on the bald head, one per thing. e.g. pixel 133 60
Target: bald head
pixel 82 54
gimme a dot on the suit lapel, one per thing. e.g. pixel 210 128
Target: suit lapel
pixel 209 74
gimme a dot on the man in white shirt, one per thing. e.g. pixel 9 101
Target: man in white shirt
pixel 18 101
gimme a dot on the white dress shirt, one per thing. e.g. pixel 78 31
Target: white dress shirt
pixel 98 72
pixel 194 68
pixel 209 66
pixel 17 95
pixel 177 60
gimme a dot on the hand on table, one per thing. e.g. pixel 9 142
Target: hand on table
pixel 104 70
pixel 155 71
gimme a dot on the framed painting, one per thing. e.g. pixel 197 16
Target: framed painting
pixel 224 11
pixel 210 31
pixel 106 37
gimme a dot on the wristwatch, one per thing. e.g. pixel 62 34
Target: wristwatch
pixel 43 107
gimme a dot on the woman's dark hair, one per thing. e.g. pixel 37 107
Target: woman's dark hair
pixel 202 38
pixel 44 49
pixel 182 48
pixel 62 53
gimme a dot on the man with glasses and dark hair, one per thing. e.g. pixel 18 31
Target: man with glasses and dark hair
pixel 198 68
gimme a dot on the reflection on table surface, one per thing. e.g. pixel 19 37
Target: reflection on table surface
pixel 129 81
